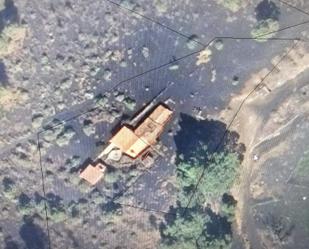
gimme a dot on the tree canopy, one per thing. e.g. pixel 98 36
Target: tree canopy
pixel 198 226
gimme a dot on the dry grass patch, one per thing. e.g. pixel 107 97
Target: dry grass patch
pixel 11 39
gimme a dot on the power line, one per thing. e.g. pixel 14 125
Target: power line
pixel 155 22
pixel 294 7
pixel 180 59
pixel 43 189
pixel 199 42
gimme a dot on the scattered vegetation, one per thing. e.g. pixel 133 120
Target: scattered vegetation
pixel 219 44
pixel 279 228
pixel 161 6
pixel 88 127
pixel 192 42
pixel 129 4
pixel 37 120
pixel 25 204
pixel 265 29
pixel 203 57
pixel 302 168
pixel 65 136
pixel 111 177
pixel 57 132
pixel 232 5
pixel 9 189
pixel 10 97
pixel 173 67
pixel 11 38
pixel 129 103
pixel 101 100
pixel 267 16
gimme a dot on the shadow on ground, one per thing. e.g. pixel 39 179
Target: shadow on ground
pixel 3 75
pixel 33 235
pixel 212 133
pixel 267 10
pixel 8 15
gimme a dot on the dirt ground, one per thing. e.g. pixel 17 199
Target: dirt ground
pixel 273 125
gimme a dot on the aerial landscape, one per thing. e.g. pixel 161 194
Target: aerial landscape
pixel 158 124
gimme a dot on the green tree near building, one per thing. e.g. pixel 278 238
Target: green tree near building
pixel 207 166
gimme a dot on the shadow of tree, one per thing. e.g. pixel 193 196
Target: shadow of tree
pixel 33 235
pixel 267 10
pixel 218 226
pixel 3 75
pixel 9 14
pixel 212 133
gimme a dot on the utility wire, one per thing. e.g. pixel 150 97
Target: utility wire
pixel 294 7
pixel 43 189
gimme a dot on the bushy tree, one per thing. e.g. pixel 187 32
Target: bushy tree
pixel 186 227
pixel 199 227
pixel 265 29
pixel 10 190
pixel 183 231
pixel 232 5
pixel 25 204
pixel 205 242
pixel 218 172
pixel 219 176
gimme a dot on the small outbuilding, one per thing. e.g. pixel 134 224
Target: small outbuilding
pixel 93 173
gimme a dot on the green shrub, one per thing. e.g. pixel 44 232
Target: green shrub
pixel 185 229
pixel 10 189
pixel 192 42
pixel 302 168
pixel 197 230
pixel 129 103
pixel 65 136
pixel 265 29
pixel 10 35
pixel 201 228
pixel 220 171
pixel 25 205
pixel 88 128
pixel 232 5
pixel 56 215
pixel 101 100
pixel 112 176
pixel 219 45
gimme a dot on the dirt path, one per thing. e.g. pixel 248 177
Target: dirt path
pixel 264 116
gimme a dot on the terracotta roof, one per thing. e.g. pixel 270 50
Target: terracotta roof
pixel 93 174
pixel 152 127
pixel 134 142
pixel 149 131
pixel 128 142
pixel 161 115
